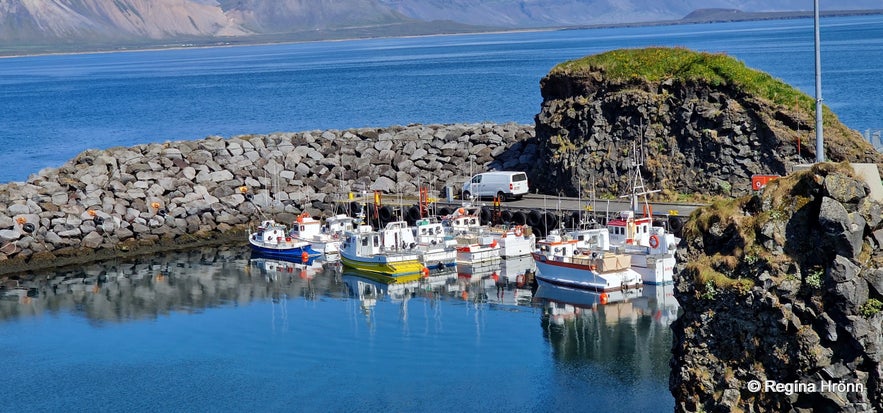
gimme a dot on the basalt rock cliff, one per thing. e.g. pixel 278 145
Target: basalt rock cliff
pixel 781 294
pixel 705 124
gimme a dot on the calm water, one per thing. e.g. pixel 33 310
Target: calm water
pixel 53 107
pixel 214 330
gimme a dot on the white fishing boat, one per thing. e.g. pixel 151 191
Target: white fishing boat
pixel 651 247
pixel 383 252
pixel 560 261
pixel 514 241
pixel 437 249
pixel 476 249
pixel 273 239
pixel 324 237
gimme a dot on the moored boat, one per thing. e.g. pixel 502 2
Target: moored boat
pixel 436 248
pixel 561 262
pixel 651 247
pixel 382 252
pixel 474 249
pixel 514 241
pixel 325 238
pixel 272 239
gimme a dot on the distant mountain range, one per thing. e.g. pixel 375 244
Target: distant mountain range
pixel 88 23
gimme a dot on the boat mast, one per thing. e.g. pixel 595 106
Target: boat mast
pixel 820 140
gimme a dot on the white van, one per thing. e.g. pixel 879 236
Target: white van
pixel 502 184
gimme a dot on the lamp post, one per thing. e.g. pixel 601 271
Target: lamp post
pixel 820 140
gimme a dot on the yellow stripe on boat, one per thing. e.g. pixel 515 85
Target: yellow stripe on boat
pixel 395 269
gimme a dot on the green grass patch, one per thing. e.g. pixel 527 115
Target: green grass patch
pixel 656 64
pixel 870 308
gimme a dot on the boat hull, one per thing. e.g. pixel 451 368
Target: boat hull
pixel 294 252
pixel 655 269
pixel 383 265
pixel 573 275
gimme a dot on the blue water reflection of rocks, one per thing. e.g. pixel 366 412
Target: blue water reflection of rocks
pixel 239 322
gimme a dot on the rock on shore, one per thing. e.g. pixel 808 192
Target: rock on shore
pixel 698 136
pixel 783 287
pixel 130 200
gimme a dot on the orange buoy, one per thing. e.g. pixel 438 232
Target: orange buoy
pixel 425 272
pixel 304 256
pixel 604 298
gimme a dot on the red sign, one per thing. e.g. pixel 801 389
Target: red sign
pixel 758 182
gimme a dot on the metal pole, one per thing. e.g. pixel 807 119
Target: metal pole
pixel 820 140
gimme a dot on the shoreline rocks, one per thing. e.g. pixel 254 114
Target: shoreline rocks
pixel 782 287
pixel 124 201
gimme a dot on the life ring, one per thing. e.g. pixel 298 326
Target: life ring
pixel 518 231
pixel 654 241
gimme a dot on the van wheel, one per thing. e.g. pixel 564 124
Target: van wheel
pixel 467 195
pixel 501 196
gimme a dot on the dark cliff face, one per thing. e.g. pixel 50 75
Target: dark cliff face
pixel 696 138
pixel 782 287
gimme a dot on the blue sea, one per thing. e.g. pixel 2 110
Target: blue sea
pixel 53 107
pixel 215 330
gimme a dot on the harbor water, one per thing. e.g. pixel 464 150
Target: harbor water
pixel 216 330
pixel 220 330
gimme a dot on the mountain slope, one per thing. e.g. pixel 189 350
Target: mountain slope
pixel 77 22
pixel 127 19
pixel 281 16
pixel 538 13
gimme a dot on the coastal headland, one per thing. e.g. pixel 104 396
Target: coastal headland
pixel 780 287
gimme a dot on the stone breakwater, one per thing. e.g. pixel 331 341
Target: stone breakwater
pixel 129 201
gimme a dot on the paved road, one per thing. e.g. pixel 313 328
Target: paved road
pixel 601 206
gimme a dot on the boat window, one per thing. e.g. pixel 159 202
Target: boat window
pixel 376 240
pixel 364 242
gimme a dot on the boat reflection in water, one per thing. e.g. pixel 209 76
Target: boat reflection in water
pixel 625 333
pixel 231 320
pixel 147 287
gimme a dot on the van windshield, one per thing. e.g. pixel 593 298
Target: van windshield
pixel 519 177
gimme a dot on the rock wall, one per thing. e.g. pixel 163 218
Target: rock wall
pixel 697 138
pixel 138 199
pixel 782 289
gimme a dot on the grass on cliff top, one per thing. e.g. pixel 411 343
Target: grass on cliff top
pixel 656 64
